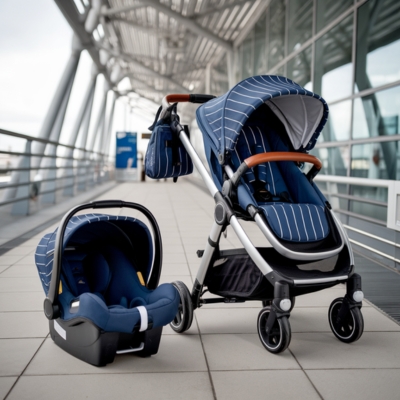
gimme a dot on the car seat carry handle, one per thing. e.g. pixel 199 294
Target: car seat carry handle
pixel 276 156
pixel 51 308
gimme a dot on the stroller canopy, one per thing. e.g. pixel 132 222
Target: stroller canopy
pixel 303 113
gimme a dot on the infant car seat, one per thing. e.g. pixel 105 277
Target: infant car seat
pixel 100 274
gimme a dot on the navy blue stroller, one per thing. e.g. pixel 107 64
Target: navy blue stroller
pixel 100 274
pixel 256 138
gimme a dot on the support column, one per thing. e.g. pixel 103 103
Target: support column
pixel 22 207
pixel 68 172
pixel 96 139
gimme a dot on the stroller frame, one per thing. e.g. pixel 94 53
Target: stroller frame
pixel 344 315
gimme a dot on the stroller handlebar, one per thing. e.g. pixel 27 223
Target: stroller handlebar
pixel 282 156
pixel 183 98
pixel 277 156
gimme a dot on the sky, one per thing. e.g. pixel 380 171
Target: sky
pixel 35 45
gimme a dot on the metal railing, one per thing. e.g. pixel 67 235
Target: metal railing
pixel 62 170
pixel 365 236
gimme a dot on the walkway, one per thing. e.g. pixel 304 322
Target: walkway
pixel 220 357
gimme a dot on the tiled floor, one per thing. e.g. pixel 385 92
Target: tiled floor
pixel 220 357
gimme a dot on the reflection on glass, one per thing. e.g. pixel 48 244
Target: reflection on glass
pixel 246 56
pixel 333 66
pixel 369 210
pixel 300 23
pixel 375 160
pixel 299 68
pixel 378 44
pixel 260 60
pixel 219 77
pixel 339 122
pixel 276 34
pixel 328 10
pixel 377 114
pixel 335 160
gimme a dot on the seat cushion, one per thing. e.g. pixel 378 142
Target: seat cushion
pixel 296 222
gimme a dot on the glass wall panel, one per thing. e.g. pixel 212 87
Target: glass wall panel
pixel 333 65
pixel 260 43
pixel 378 44
pixel 299 68
pixel 328 10
pixel 276 34
pixel 300 23
pixel 246 56
pixel 335 160
pixel 339 122
pixel 377 114
pixel 376 160
pixel 219 77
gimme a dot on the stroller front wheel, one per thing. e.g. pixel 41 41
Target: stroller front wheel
pixel 277 339
pixel 348 327
pixel 184 317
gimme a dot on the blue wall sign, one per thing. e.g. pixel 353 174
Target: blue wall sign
pixel 126 150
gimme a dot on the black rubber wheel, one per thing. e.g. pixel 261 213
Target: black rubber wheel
pixel 278 339
pixel 266 303
pixel 184 317
pixel 353 325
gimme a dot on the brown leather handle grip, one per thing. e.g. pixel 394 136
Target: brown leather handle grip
pixel 282 156
pixel 177 98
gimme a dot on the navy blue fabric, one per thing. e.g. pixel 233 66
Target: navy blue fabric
pixel 223 118
pixel 159 155
pixel 302 220
pixel 297 222
pixel 87 228
pixel 106 302
pixel 102 275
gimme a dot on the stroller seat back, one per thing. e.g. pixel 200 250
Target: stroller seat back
pixel 291 205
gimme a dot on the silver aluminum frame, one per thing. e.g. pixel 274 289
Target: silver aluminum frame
pixel 254 254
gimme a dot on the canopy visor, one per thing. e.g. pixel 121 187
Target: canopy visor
pixel 300 116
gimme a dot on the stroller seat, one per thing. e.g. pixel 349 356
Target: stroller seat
pixel 290 203
pixel 110 294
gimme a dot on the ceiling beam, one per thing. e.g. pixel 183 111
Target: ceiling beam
pixel 219 9
pixel 117 10
pixel 131 59
pixel 190 24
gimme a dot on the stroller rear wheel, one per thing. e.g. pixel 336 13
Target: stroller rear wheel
pixel 278 338
pixel 349 327
pixel 184 317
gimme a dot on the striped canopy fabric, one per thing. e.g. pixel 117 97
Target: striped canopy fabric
pixel 303 113
pixel 98 225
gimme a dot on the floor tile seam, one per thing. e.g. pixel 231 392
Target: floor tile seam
pixel 23 337
pixel 27 365
pixel 306 375
pixel 353 369
pixel 293 331
pixel 195 318
pixel 214 392
pixel 117 373
pixel 256 370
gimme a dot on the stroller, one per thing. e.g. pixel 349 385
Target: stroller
pixel 100 274
pixel 256 138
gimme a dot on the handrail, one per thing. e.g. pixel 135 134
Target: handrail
pixel 75 172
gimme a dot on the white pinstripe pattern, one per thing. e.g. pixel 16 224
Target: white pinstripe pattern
pixel 279 221
pixel 312 222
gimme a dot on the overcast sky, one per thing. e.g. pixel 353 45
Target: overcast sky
pixel 35 45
